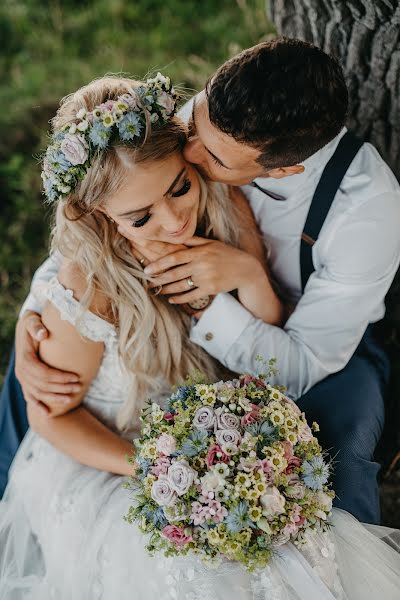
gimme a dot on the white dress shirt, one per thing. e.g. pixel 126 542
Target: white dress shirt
pixel 356 257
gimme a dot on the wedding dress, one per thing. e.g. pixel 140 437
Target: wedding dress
pixel 63 536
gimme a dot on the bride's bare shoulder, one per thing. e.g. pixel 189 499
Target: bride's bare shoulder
pixel 71 276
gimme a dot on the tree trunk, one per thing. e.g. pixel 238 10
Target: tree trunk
pixel 364 35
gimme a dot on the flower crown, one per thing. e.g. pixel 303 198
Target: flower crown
pixel 74 147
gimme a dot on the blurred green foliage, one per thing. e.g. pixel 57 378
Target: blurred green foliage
pixel 49 49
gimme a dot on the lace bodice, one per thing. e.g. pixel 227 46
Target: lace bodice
pixel 111 386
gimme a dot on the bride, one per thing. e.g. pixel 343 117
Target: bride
pixel 115 161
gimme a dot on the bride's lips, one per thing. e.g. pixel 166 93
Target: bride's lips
pixel 182 230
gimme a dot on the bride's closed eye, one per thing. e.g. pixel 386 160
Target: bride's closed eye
pixel 184 189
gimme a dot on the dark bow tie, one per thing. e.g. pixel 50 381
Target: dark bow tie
pixel 267 192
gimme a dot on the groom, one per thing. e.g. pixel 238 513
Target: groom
pixel 329 210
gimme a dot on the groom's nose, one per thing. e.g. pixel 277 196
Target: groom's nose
pixel 194 151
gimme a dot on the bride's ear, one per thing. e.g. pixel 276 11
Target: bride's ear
pixel 281 172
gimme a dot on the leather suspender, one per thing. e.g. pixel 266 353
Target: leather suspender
pixel 324 195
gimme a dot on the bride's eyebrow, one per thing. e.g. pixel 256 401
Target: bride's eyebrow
pixel 130 213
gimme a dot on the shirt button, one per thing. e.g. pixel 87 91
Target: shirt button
pixel 209 336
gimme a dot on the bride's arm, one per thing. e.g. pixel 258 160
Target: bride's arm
pixel 78 433
pixel 84 438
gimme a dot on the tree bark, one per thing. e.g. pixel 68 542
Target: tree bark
pixel 364 35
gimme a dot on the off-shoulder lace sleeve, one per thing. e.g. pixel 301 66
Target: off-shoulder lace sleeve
pixel 87 323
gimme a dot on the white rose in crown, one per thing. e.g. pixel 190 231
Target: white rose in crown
pixel 162 491
pixel 166 101
pixel 74 148
pixel 166 444
pixel 181 476
pixel 273 502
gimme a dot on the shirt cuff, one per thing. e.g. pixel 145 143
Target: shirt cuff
pixel 220 325
pixel 31 303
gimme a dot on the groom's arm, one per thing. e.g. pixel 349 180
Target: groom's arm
pixel 340 300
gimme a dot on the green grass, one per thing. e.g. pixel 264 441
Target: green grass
pixel 49 49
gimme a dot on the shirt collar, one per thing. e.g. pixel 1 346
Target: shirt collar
pixel 314 164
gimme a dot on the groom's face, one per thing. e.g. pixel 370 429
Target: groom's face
pixel 217 155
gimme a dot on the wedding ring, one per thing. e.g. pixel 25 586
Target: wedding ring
pixel 142 260
pixel 190 282
pixel 157 290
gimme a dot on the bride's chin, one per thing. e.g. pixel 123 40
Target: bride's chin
pixel 187 235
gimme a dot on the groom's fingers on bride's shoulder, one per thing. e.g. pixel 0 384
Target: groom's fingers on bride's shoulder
pixel 48 376
pixel 35 327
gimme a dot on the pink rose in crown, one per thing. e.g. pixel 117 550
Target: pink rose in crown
pixel 176 534
pixel 167 102
pixel 75 149
pixel 216 455
pixel 252 416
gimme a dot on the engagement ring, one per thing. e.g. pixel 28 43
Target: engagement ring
pixel 190 282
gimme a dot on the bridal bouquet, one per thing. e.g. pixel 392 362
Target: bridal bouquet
pixel 229 470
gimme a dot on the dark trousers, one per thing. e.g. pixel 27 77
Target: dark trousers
pixel 347 405
pixel 13 421
pixel 349 408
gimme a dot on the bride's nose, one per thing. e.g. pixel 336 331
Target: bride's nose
pixel 171 219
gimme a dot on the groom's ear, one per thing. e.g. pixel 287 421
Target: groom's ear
pixel 281 172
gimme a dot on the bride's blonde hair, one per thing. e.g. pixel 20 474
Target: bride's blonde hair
pixel 153 335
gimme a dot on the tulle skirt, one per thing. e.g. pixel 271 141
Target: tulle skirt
pixel 63 537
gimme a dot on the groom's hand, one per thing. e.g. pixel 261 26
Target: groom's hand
pixel 212 266
pixel 50 389
pixel 148 251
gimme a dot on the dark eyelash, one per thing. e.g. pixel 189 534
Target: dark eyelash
pixel 142 221
pixel 187 184
pixel 216 162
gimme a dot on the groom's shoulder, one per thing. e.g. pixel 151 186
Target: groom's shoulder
pixel 369 177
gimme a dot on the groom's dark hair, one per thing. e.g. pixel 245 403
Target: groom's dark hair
pixel 285 97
